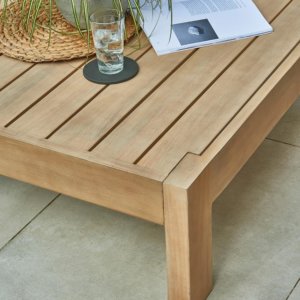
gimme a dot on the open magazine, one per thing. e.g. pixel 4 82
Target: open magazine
pixel 198 23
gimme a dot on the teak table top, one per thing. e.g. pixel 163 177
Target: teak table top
pixel 116 145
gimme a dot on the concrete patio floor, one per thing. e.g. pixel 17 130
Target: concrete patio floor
pixel 58 248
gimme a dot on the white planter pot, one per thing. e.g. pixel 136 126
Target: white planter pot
pixel 65 8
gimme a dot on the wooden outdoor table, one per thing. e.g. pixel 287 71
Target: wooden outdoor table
pixel 162 146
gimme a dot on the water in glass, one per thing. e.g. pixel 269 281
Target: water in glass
pixel 108 31
pixel 109 50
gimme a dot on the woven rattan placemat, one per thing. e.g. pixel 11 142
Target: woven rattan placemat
pixel 65 42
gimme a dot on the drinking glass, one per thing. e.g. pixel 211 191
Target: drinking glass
pixel 108 35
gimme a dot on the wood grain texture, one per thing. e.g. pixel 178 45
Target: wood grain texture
pixel 195 183
pixel 27 89
pixel 153 118
pixel 128 141
pixel 188 227
pixel 60 105
pixel 238 141
pixel 203 122
pixel 116 101
pixel 57 106
pixel 222 113
pixel 11 69
pixel 79 176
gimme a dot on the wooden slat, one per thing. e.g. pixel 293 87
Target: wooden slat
pixel 80 176
pixel 59 105
pixel 31 86
pixel 200 125
pixel 105 110
pixel 10 69
pixel 196 182
pixel 188 227
pixel 129 141
pixel 85 155
pixel 238 141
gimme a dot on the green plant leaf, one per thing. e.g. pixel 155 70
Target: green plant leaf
pixel 30 10
pixel 135 22
pixel 36 11
pixel 50 21
pixel 170 6
pixel 4 10
pixel 77 24
pixel 30 13
pixel 86 20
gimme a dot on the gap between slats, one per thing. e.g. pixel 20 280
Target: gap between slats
pixel 210 85
pixel 42 96
pixel 259 87
pixel 86 103
pixel 17 76
pixel 174 145
pixel 151 92
pixel 140 102
pixel 98 143
pixel 191 104
pixel 123 118
pixel 228 124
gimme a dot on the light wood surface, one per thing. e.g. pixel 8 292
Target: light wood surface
pixel 188 240
pixel 195 183
pixel 102 184
pixel 161 146
pixel 69 98
pixel 30 88
pixel 218 106
pixel 11 69
pixel 111 106
pixel 232 148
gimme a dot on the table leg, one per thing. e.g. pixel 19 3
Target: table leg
pixel 188 227
pixel 195 183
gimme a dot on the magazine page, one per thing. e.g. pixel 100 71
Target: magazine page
pixel 198 23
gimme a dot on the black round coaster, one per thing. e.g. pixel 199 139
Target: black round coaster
pixel 92 73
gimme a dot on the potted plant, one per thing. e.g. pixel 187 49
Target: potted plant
pixel 75 12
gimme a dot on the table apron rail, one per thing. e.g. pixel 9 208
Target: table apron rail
pixel 102 185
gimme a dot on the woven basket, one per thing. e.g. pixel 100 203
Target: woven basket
pixel 65 43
